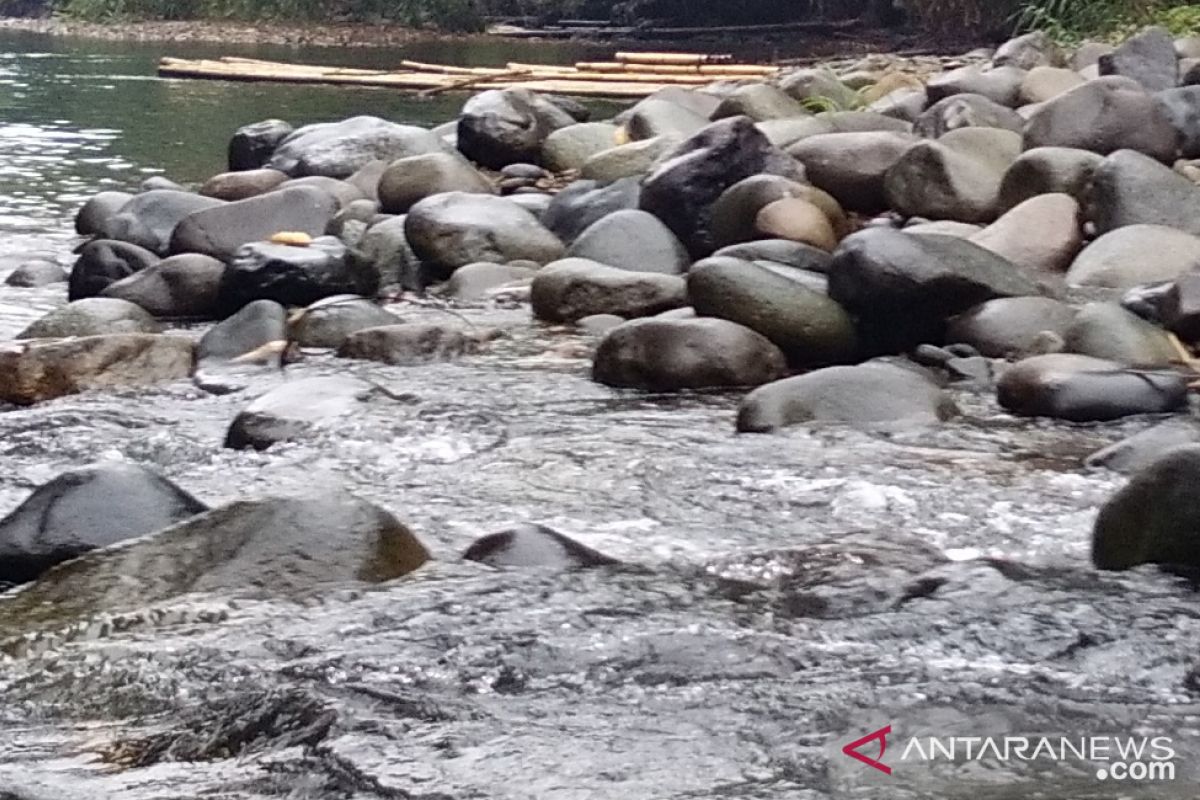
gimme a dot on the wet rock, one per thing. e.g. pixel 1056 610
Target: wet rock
pixel 1010 327
pixel 149 219
pixel 574 288
pixel 407 181
pixel 668 355
pixel 871 394
pixel 103 262
pixel 570 147
pixel 1143 449
pixel 1103 116
pixel 330 321
pixel 33 274
pixel 1180 309
pixel 529 545
pixel 1131 189
pixel 778 251
pixel 409 343
pixel 186 285
pixel 471 283
pixel 759 102
pixel 1105 330
pixel 735 213
pixel 683 189
pixel 957 177
pixel 507 126
pixel 655 117
pixel 367 178
pixel 160 183
pixel 622 161
pixel 293 276
pixel 600 324
pixel 1043 84
pixel 253 145
pixel 784 133
pixel 340 193
pixel 1147 57
pixel 1155 518
pixel 295 410
pixel 250 342
pixel 851 166
pixel 808 326
pixel 796 220
pixel 231 186
pixel 1028 51
pixel 38 370
pixel 1181 107
pixel 1086 389
pixel 1118 260
pixel 339 149
pixel 1041 234
pixel 84 509
pixel 96 212
pixel 453 229
pixel 1001 85
pixel 384 249
pixel 92 316
pixel 633 240
pixel 364 211
pixel 943 227
pixel 966 111
pixel 1048 170
pixel 901 287
pixel 581 204
pixel 275 547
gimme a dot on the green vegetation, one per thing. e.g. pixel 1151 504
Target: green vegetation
pixel 1074 20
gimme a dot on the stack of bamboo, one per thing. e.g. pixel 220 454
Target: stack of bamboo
pixel 628 75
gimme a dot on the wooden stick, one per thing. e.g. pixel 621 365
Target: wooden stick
pixel 472 81
pixel 683 59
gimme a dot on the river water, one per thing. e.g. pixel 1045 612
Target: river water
pixel 781 595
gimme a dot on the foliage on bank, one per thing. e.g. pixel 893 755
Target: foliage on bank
pixel 1065 20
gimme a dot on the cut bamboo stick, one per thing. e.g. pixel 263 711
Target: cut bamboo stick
pixel 717 70
pixel 684 59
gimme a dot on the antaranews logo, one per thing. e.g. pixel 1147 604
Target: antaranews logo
pixel 1118 758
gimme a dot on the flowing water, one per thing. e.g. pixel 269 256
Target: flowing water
pixel 781 596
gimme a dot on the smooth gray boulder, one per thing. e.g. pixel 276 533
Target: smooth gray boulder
pixel 407 181
pixel 95 213
pixel 149 219
pixel 1147 57
pixel 1085 389
pixel 409 343
pixel 295 410
pixel 293 276
pixel 1048 170
pixel 253 145
pixel 1118 259
pixel 332 320
pixel 530 546
pixel 570 147
pixel 966 111
pixel 1104 116
pixel 1105 330
pixel 1129 188
pixel 221 231
pixel 1010 327
pixel 499 127
pixel 633 240
pixel 93 316
pixel 574 288
pixel 852 166
pixel 187 285
pixel 339 149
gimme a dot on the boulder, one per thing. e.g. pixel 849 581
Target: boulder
pixel 806 325
pixel 149 219
pixel 796 219
pixel 574 288
pixel 367 178
pixel 1181 107
pixel 871 394
pixel 293 276
pixel 633 240
pixel 1087 56
pixel 1117 260
pixel 1086 389
pixel 384 250
pixel 1010 327
pixel 92 316
pixel 409 343
pixel 903 104
pixel 683 189
pixel 851 166
pixel 450 230
pixel 340 193
pixel 901 288
pixel 942 227
pixel 667 355
pixel 570 147
pixel 33 371
pixel 331 320
pixel 966 111
pixel 253 145
pixel 472 283
pixel 1048 170
pixel 656 117
pixel 1043 84
pixel 96 212
pixel 1001 85
pixel 813 83
pixel 186 285
pixel 1103 116
pixel 582 203
pixel 296 409
pixel 779 252
pixel 351 223
pixel 1147 57
pixel 287 547
pixel 407 181
pixel 622 161
pixel 1142 449
pixel 1129 188
pixel 759 102
pixel 1180 311
pixel 1105 330
pixel 36 273
pixel 339 149
pixel 957 177
pixel 84 509
pixel 1042 234
pixel 534 546
pixel 507 126
pixel 1155 518
pixel 250 342
pixel 1028 51
pixel 735 213
pixel 102 262
pixel 231 186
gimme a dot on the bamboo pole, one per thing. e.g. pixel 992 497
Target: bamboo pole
pixel 473 81
pixel 679 59
pixel 717 70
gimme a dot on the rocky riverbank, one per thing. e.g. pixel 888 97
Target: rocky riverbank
pixel 866 273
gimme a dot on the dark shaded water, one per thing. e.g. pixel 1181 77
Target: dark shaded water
pixel 786 595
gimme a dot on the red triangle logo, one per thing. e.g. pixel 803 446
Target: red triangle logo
pixel 877 762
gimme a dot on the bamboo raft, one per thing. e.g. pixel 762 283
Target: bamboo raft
pixel 627 76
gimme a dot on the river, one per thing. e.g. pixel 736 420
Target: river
pixel 781 596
